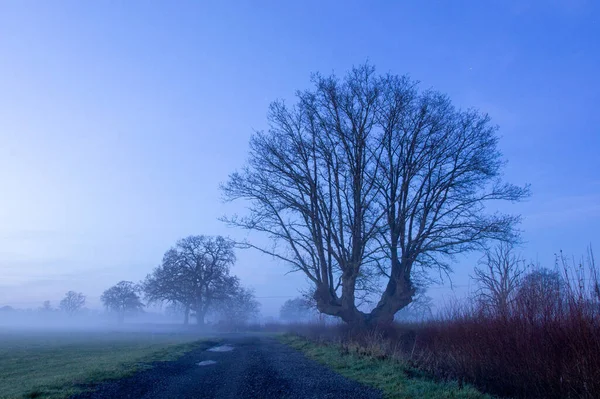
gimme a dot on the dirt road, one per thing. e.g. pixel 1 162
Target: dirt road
pixel 253 367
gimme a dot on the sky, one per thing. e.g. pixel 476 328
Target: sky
pixel 118 121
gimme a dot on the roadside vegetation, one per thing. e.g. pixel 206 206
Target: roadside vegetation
pixel 538 339
pixel 394 377
pixel 55 365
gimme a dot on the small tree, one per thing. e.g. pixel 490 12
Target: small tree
pixel 72 303
pixel 122 299
pixel 541 295
pixel 297 309
pixel 46 307
pixel 498 277
pixel 239 307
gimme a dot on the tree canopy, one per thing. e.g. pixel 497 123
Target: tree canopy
pixel 239 308
pixel 368 179
pixel 194 273
pixel 71 303
pixel 122 299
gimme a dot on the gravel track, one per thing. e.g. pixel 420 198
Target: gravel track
pixel 258 367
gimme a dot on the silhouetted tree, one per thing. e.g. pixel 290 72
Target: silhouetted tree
pixel 170 283
pixel 72 302
pixel 239 307
pixel 46 307
pixel 194 273
pixel 122 299
pixel 498 278
pixel 368 177
pixel 541 294
pixel 297 309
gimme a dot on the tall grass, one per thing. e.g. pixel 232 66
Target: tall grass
pixel 545 347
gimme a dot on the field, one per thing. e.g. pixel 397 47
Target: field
pixel 35 364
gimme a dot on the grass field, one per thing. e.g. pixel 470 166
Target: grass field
pixel 396 380
pixel 59 364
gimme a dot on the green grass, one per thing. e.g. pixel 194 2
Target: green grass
pixel 56 365
pixel 395 379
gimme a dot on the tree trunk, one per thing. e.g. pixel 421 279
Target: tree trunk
pixel 186 315
pixel 397 295
pixel 200 318
pixel 200 313
pixel 344 306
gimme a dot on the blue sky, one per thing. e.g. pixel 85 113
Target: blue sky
pixel 118 120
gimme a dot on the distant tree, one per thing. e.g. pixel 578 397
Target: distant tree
pixel 46 307
pixel 170 283
pixel 72 303
pixel 498 278
pixel 122 299
pixel 297 309
pixel 369 178
pixel 541 294
pixel 176 309
pixel 239 307
pixel 194 273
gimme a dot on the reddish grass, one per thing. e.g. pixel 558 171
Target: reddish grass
pixel 534 352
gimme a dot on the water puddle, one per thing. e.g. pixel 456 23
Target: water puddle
pixel 207 363
pixel 221 348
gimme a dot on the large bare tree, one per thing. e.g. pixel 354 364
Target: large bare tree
pixel 366 178
pixel 194 273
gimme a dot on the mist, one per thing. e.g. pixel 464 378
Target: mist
pixel 412 183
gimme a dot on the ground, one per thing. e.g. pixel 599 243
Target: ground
pixel 115 365
pixel 44 364
pixel 257 367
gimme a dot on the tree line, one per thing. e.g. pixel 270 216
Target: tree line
pixel 194 278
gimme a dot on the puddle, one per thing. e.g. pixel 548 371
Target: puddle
pixel 221 348
pixel 207 363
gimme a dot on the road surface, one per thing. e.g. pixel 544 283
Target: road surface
pixel 258 367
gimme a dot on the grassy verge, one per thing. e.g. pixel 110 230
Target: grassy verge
pixel 57 365
pixel 395 379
